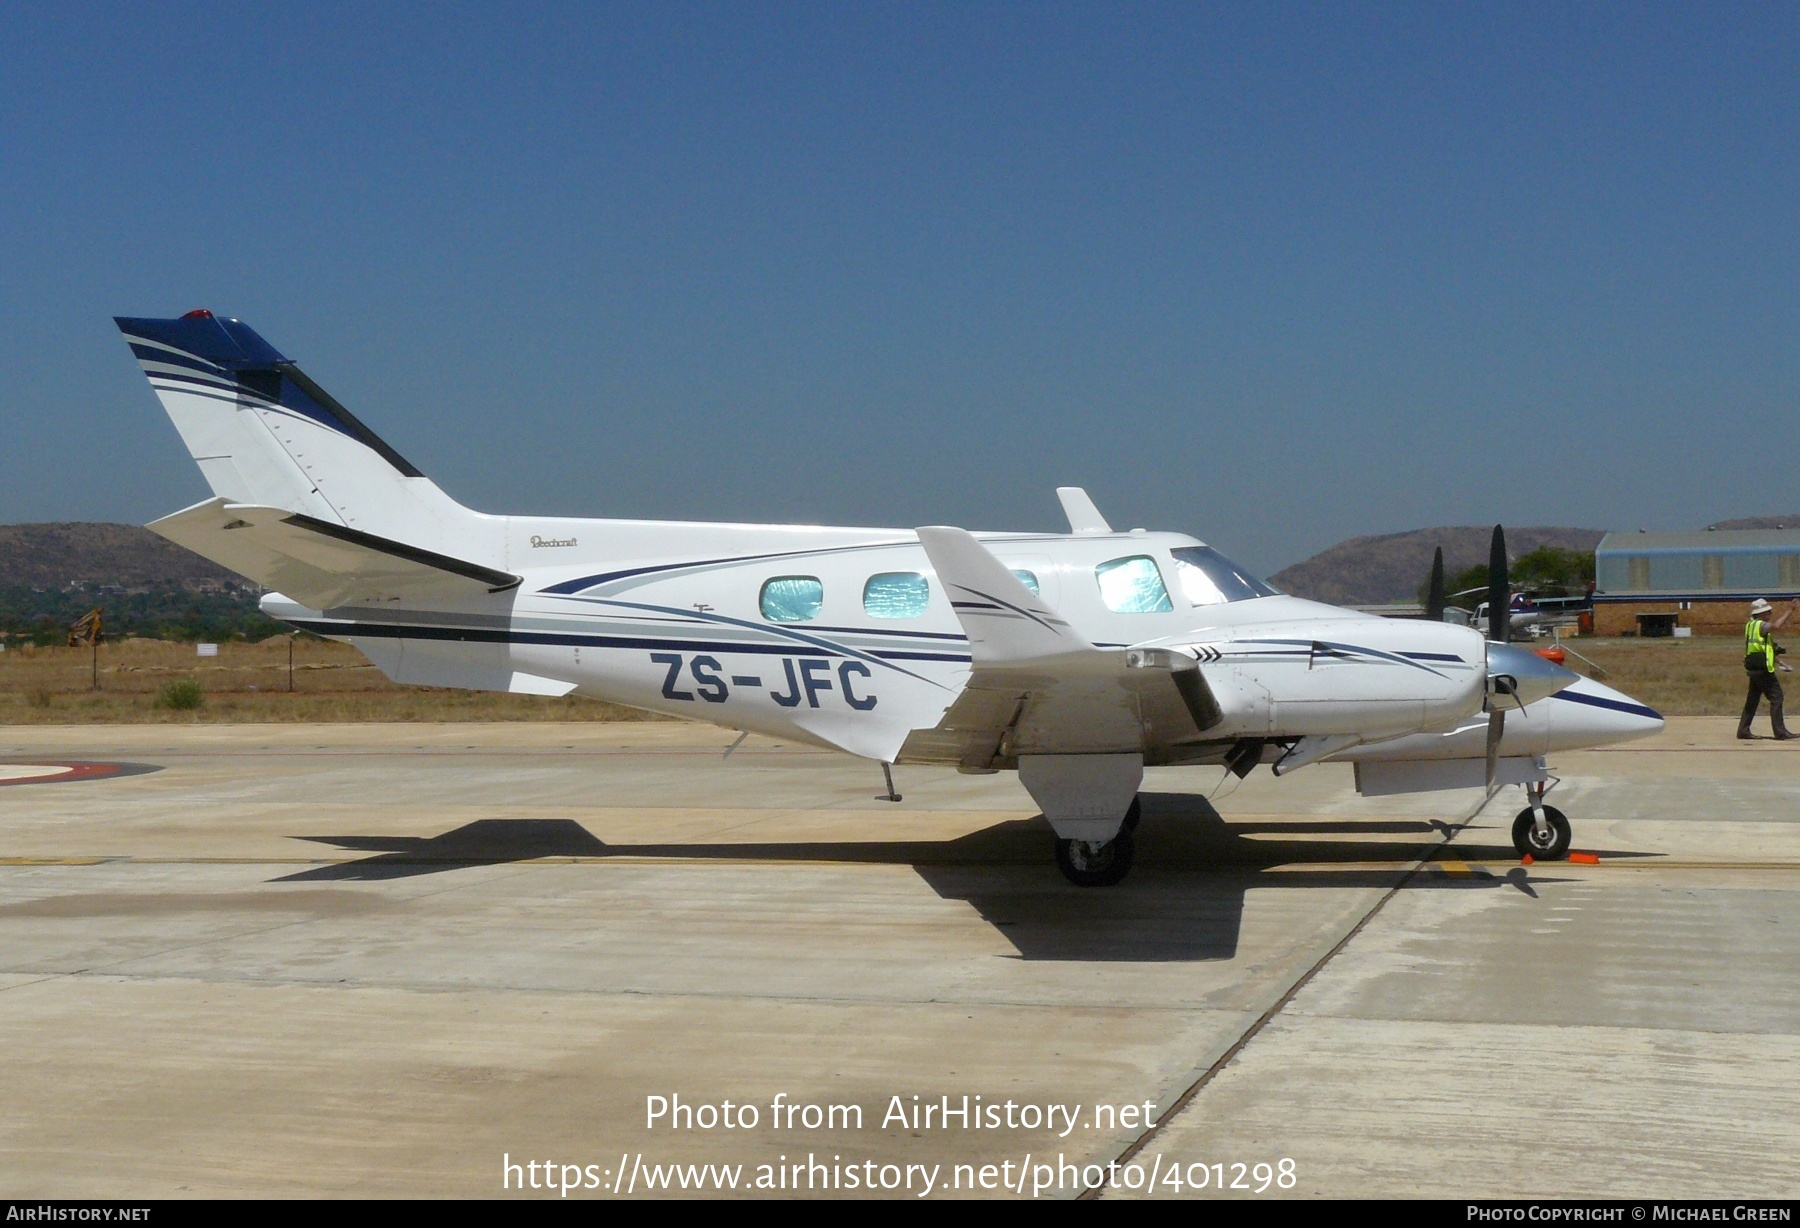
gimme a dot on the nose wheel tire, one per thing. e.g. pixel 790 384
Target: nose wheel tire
pixel 1550 846
pixel 1089 863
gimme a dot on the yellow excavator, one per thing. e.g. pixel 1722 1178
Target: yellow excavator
pixel 86 631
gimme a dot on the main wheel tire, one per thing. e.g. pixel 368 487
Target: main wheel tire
pixel 1529 843
pixel 1088 864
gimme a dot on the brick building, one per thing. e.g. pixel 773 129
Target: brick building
pixel 1652 583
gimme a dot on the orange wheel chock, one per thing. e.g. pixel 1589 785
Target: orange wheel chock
pixel 1586 859
pixel 1527 860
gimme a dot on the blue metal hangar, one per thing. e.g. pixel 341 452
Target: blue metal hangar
pixel 1653 583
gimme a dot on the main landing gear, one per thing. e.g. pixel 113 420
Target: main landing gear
pixel 1540 832
pixel 1100 863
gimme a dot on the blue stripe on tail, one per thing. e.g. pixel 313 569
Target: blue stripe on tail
pixel 259 369
pixel 231 344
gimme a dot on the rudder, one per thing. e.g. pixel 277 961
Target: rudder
pixel 264 433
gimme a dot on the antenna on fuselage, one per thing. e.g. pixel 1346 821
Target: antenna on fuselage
pixel 1083 516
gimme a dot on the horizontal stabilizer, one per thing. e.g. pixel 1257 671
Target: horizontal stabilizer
pixel 1005 621
pixel 322 564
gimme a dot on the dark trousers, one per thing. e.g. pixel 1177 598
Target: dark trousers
pixel 1761 684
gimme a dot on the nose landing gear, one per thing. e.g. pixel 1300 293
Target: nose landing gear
pixel 1100 863
pixel 1541 832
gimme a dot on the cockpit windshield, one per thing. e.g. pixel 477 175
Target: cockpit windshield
pixel 1209 578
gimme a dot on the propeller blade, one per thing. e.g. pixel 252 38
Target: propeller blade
pixel 1495 731
pixel 1499 589
pixel 1434 599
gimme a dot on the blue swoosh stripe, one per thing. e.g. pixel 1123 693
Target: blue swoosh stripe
pixel 568 587
pixel 194 388
pixel 1350 648
pixel 830 646
pixel 1595 701
pixel 171 359
pixel 478 635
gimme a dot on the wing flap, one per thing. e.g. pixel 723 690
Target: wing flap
pixel 321 564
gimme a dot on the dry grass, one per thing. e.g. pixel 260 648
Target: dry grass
pixel 249 683
pixel 333 682
pixel 1693 677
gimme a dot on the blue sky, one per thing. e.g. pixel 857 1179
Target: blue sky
pixel 1272 274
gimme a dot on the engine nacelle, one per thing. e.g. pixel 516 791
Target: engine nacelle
pixel 1372 677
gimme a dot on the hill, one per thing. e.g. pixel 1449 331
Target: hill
pixel 51 556
pixel 1390 567
pixel 1790 521
pixel 51 574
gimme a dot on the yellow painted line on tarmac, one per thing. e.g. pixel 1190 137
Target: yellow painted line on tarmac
pixel 1646 863
pixel 1652 862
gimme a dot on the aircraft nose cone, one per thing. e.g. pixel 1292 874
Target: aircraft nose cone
pixel 1590 714
pixel 1520 671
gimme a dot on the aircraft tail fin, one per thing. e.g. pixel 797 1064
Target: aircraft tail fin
pixel 264 434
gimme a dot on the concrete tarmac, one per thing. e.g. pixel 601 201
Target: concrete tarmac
pixel 387 960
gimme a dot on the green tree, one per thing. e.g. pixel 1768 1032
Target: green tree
pixel 1548 571
pixel 1468 578
pixel 1553 571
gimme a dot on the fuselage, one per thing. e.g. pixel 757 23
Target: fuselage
pixel 1077 659
pixel 845 637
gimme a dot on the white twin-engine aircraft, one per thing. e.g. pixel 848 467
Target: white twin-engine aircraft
pixel 1075 659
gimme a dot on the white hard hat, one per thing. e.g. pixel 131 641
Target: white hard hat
pixel 1759 606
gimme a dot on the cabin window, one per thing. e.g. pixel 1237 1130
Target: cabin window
pixel 1028 579
pixel 896 594
pixel 1207 577
pixel 1133 586
pixel 792 599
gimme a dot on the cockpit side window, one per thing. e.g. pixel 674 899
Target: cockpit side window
pixel 1133 586
pixel 1207 577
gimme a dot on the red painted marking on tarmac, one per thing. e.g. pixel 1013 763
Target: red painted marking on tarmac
pixel 55 773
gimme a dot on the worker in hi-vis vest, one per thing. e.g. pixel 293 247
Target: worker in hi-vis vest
pixel 1759 662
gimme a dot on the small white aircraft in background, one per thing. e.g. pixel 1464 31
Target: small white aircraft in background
pixel 1075 659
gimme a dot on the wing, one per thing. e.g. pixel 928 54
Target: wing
pixel 319 563
pixel 1038 687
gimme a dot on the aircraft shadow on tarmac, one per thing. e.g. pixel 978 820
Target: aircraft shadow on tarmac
pixel 1183 901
